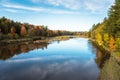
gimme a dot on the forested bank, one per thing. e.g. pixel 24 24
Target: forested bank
pixel 10 29
pixel 107 33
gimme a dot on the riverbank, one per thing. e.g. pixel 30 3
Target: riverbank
pixel 115 54
pixel 35 40
pixel 111 70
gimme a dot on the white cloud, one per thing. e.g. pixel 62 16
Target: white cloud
pixel 55 2
pixel 22 7
pixel 74 6
pixel 63 12
pixel 70 4
pixel 98 5
pixel 14 8
pixel 11 10
pixel 92 5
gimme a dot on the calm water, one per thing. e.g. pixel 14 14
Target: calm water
pixel 74 59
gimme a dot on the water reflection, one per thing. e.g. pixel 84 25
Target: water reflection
pixel 108 65
pixel 8 51
pixel 74 59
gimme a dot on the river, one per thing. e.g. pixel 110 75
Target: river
pixel 73 59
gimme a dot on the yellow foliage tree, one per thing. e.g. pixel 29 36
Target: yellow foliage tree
pixel 106 39
pixel 99 39
pixel 98 34
pixel 112 44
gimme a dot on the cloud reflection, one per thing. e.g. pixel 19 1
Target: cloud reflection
pixel 54 57
pixel 54 64
pixel 70 69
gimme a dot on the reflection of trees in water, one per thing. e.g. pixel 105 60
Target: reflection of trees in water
pixel 24 48
pixel 8 51
pixel 108 65
pixel 101 58
pixel 101 54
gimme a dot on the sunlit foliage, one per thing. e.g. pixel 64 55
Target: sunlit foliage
pixel 107 33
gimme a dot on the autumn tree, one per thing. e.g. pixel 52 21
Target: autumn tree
pixel 30 32
pixel 23 31
pixel 106 39
pixel 112 44
pixel 108 32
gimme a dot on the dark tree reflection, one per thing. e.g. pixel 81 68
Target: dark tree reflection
pixel 8 51
pixel 108 65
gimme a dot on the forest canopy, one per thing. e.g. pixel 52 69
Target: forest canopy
pixel 107 33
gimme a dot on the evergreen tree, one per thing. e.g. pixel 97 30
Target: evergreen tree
pixel 113 25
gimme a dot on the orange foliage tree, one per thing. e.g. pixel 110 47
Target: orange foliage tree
pixel 23 31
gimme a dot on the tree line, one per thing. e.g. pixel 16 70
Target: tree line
pixel 10 29
pixel 107 33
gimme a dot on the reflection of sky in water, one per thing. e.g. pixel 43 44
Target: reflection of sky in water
pixel 67 60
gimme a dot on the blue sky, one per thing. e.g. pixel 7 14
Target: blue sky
pixel 73 15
